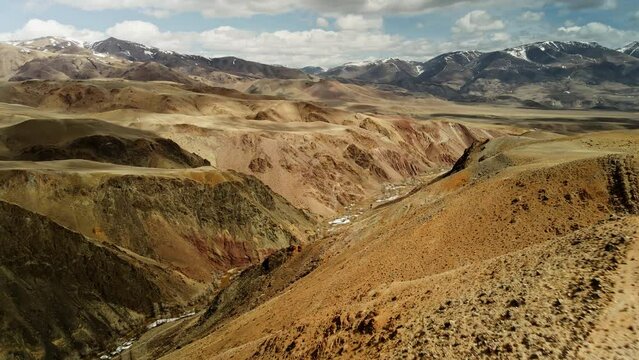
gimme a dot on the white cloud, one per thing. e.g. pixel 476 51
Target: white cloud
pixel 358 23
pixel 500 37
pixel 333 8
pixel 593 29
pixel 228 8
pixel 354 38
pixel 321 47
pixel 35 28
pixel 292 48
pixel 477 21
pixel 609 4
pixel 297 48
pixel 149 34
pixel 599 32
pixel 134 30
pixel 322 22
pixel 531 16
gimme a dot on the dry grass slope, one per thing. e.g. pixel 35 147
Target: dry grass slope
pixel 525 272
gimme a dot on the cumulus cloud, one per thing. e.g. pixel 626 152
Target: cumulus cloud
pixel 227 8
pixel 342 35
pixel 589 31
pixel 134 30
pixel 322 22
pixel 358 23
pixel 149 34
pixel 477 21
pixel 531 16
pixel 500 37
pixel 292 48
pixel 230 8
pixel 35 28
pixel 599 32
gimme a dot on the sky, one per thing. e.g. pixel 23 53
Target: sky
pixel 324 33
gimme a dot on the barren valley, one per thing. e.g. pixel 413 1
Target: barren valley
pixel 157 205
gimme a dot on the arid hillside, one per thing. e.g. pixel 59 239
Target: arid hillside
pixel 320 158
pixel 67 295
pixel 527 249
pixel 305 219
pixel 179 230
pixel 113 227
pixel 88 139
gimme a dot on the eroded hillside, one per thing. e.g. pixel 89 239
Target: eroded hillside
pixel 112 247
pixel 514 255
pixel 304 218
pixel 320 158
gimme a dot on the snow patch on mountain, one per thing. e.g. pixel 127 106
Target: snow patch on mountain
pixel 631 49
pixel 518 52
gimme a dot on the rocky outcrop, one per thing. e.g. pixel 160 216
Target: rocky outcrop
pixel 65 295
pixel 200 226
pixel 623 183
pixel 468 157
pixel 110 252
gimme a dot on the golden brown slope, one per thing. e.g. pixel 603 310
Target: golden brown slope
pixel 90 139
pixel 519 240
pixel 175 233
pixel 319 158
pixel 200 222
pixel 183 229
pixel 326 91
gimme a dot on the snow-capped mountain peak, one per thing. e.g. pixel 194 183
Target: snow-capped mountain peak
pixel 50 44
pixel 631 49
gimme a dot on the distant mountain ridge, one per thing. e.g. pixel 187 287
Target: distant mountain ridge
pixel 193 64
pixel 541 53
pixel 379 71
pixel 52 44
pixel 556 74
pixel 561 70
pixel 313 70
pixel 188 65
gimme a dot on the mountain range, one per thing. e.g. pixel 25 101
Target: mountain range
pixel 162 205
pixel 193 63
pixel 548 74
pixel 569 74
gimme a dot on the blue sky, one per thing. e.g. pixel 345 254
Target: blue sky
pixel 326 32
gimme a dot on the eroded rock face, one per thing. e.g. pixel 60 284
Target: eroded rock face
pixel 513 256
pixel 150 243
pixel 364 160
pixel 230 224
pixel 199 228
pixel 65 295
pixel 623 183
pixel 333 167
